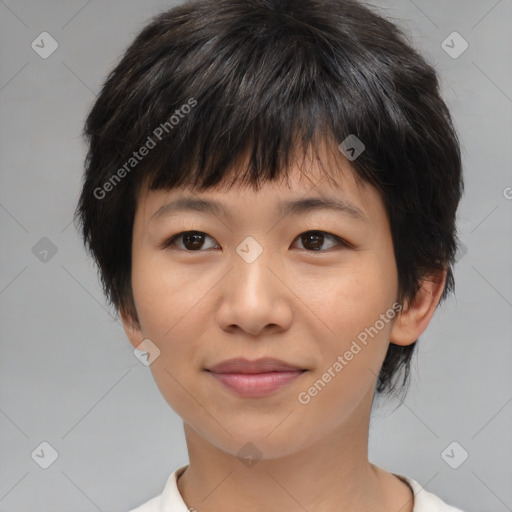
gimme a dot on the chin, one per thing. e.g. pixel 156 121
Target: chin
pixel 257 440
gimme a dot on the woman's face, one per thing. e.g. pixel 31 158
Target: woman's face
pixel 310 285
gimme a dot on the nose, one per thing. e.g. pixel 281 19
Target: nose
pixel 255 298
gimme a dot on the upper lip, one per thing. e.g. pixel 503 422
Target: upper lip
pixel 263 365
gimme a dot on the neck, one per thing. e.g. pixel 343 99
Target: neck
pixel 331 474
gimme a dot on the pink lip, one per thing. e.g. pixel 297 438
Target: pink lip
pixel 256 384
pixel 255 378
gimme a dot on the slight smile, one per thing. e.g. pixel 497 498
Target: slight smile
pixel 255 378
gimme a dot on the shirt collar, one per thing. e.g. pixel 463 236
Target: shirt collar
pixel 171 499
pixel 424 501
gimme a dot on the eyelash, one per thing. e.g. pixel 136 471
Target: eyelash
pixel 168 243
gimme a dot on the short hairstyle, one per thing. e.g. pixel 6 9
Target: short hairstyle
pixel 209 80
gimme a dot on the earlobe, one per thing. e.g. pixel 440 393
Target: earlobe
pixel 417 313
pixel 131 328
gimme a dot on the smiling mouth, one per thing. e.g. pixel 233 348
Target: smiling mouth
pixel 256 378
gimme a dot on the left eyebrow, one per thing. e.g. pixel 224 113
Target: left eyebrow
pixel 307 204
pixel 294 207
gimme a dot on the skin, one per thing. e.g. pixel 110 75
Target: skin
pixel 200 307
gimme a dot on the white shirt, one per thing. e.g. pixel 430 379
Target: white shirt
pixel 170 499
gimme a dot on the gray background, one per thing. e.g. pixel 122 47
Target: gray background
pixel 68 374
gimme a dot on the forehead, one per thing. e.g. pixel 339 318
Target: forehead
pixel 318 171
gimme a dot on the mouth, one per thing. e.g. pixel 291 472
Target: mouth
pixel 255 378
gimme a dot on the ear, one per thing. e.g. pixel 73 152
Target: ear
pixel 131 328
pixel 416 315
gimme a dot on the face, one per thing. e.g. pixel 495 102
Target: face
pixel 311 286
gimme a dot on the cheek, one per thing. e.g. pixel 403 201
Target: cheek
pixel 350 359
pixel 167 296
pixel 175 311
pixel 354 297
pixel 357 309
pixel 168 301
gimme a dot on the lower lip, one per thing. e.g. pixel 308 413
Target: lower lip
pixel 256 384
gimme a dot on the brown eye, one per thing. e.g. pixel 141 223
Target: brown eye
pixel 314 240
pixel 192 240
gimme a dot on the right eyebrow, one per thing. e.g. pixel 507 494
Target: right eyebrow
pixel 190 204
